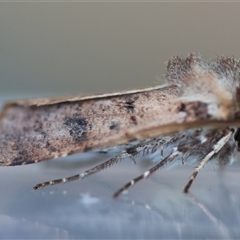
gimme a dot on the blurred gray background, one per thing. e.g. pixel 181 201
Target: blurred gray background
pixel 61 48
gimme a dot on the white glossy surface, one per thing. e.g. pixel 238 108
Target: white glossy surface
pixel 155 208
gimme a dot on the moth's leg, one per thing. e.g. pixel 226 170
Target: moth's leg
pixel 145 175
pixel 215 149
pixel 129 152
pixel 89 172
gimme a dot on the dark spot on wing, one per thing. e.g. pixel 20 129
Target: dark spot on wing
pixel 20 161
pixel 114 125
pixel 130 106
pixel 133 119
pixel 78 128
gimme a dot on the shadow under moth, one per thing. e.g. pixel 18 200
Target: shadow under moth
pixel 193 118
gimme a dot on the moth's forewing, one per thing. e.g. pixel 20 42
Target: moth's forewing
pixel 31 133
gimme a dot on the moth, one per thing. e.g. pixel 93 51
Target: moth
pixel 194 118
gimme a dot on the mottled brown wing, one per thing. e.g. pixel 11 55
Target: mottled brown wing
pixel 31 133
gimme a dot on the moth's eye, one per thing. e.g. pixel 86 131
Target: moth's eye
pixel 237 138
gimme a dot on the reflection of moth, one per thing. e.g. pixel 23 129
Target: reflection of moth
pixel 201 98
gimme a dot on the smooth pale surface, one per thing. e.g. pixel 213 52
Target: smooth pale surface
pixel 155 208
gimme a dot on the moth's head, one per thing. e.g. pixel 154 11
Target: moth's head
pixel 215 82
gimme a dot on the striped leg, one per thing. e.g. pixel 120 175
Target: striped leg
pixel 169 158
pixel 129 152
pixel 215 149
pixel 87 173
